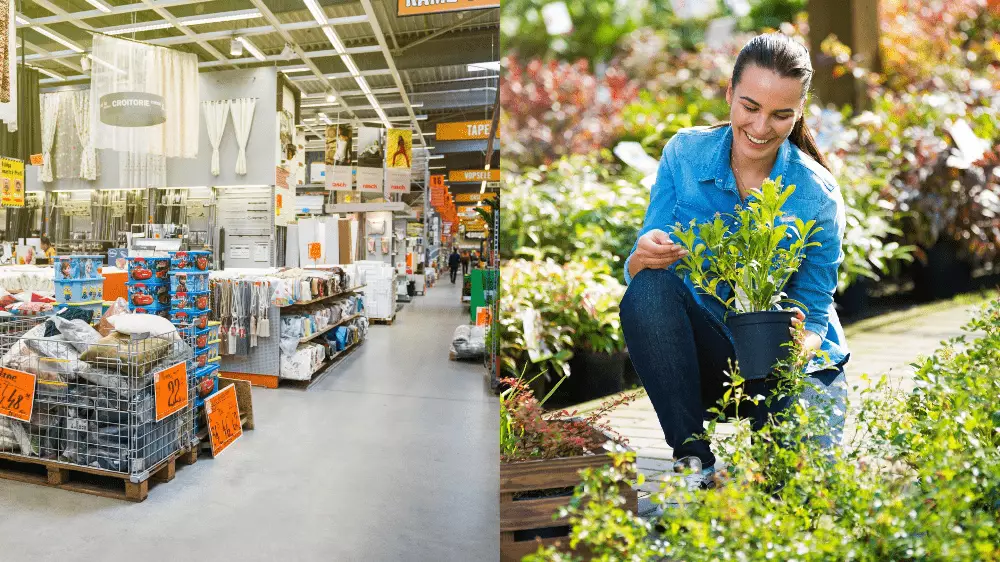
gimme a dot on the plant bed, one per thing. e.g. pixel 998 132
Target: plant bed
pixel 531 493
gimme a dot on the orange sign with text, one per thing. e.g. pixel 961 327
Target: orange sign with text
pixel 17 394
pixel 459 176
pixel 464 130
pixel 170 388
pixel 315 250
pixel 223 412
pixel 35 160
pixel 424 7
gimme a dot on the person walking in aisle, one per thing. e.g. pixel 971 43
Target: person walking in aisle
pixel 453 261
pixel 465 263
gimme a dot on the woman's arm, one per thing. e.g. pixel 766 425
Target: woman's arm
pixel 660 212
pixel 816 280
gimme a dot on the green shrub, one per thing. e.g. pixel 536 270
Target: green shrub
pixel 918 480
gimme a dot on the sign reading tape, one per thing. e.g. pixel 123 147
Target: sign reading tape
pixel 132 109
pixel 464 130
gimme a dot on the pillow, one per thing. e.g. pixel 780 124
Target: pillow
pixel 142 323
pixel 116 351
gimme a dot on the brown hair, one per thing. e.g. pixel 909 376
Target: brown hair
pixel 779 53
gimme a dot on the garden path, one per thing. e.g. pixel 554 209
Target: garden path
pixel 884 344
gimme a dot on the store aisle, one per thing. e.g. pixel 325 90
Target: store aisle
pixel 392 457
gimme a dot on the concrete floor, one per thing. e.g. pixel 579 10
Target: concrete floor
pixel 393 456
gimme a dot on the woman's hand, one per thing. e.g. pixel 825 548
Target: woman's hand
pixel 809 341
pixel 655 250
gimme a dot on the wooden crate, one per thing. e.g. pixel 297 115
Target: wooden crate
pixel 89 480
pixel 534 514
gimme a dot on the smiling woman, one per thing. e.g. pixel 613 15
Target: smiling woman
pixel 678 340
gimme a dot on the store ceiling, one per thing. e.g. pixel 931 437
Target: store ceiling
pixel 415 68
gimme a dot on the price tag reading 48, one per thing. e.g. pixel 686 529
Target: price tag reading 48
pixel 17 394
pixel 170 390
pixel 223 412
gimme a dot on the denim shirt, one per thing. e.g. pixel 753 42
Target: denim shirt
pixel 695 181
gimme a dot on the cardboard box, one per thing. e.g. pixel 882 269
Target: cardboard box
pixel 344 241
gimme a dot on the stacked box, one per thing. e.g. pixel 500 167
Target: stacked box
pixel 147 285
pixel 78 282
pixel 190 304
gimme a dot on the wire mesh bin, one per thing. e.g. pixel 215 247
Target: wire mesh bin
pixel 95 402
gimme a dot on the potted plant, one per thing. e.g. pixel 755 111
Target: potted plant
pixel 541 456
pixel 746 267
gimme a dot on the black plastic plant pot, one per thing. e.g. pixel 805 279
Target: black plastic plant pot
pixel 760 339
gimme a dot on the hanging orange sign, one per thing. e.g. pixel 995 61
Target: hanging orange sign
pixel 223 412
pixel 315 250
pixel 464 130
pixel 17 394
pixel 473 175
pixel 424 7
pixel 170 388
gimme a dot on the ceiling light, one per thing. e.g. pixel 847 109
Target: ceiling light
pixel 252 48
pixel 481 66
pixel 331 97
pixel 436 157
pixel 318 14
pixel 49 73
pixel 59 39
pixel 235 47
pixel 287 53
pixel 353 68
pixel 121 30
pixel 100 6
pixel 85 63
pixel 431 134
pixel 293 69
pixel 231 16
pixel 426 147
pixel 438 168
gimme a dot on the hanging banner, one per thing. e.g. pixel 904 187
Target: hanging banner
pixel 424 7
pixel 473 175
pixel 474 197
pixel 397 161
pixel 339 157
pixel 371 157
pixel 12 179
pixel 464 130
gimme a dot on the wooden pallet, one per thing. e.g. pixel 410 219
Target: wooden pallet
pixel 266 381
pixel 547 485
pixel 88 480
pixel 385 321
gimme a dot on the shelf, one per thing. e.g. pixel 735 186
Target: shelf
pixel 328 328
pixel 325 368
pixel 320 299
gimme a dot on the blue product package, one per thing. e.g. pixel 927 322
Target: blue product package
pixel 141 293
pixel 79 290
pixel 192 261
pixel 341 334
pixel 148 270
pixel 186 282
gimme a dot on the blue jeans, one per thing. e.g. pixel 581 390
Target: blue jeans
pixel 681 353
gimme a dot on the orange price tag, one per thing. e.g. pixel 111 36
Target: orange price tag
pixel 171 390
pixel 35 159
pixel 17 394
pixel 484 316
pixel 315 250
pixel 223 412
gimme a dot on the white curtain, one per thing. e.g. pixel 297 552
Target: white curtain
pixel 216 116
pixel 242 121
pixel 50 113
pixel 141 170
pixel 81 118
pixel 127 66
pixel 8 65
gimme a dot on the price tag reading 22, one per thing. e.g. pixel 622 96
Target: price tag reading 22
pixel 17 394
pixel 171 390
pixel 223 412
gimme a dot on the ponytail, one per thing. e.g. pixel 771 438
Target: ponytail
pixel 802 137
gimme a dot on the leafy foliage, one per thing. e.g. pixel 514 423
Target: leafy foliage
pixel 919 479
pixel 551 109
pixel 754 258
pixel 547 310
pixel 573 209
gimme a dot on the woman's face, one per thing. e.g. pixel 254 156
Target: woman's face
pixel 763 109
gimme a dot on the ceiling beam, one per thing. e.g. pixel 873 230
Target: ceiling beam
pixel 163 13
pixel 64 16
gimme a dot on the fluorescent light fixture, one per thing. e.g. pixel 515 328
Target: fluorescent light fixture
pixel 334 39
pixel 431 134
pixel 294 69
pixel 483 66
pixel 59 39
pixel 351 67
pixel 482 188
pixel 254 51
pixel 21 20
pixel 487 166
pixel 438 168
pixel 326 120
pixel 152 26
pixel 436 157
pixel 232 16
pixel 331 97
pixel 100 5
pixel 318 14
pixel 425 147
pixel 51 74
pixel 235 47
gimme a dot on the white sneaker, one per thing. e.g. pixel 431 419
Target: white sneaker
pixel 695 477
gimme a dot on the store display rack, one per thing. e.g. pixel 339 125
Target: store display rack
pixel 326 368
pixel 328 328
pixel 334 296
